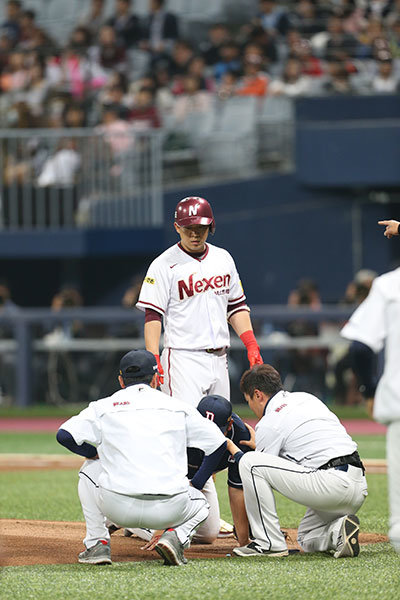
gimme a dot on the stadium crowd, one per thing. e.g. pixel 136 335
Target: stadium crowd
pixel 146 72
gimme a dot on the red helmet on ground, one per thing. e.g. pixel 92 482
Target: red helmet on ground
pixel 194 211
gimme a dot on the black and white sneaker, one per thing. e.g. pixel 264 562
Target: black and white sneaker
pixel 253 549
pixel 347 543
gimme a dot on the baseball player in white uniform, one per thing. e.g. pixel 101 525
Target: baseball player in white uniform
pixel 140 436
pixel 195 289
pixel 375 325
pixel 303 452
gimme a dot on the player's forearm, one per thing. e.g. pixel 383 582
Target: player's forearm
pixel 241 322
pixel 152 334
pixel 239 515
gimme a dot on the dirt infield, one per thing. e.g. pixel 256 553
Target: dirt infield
pixel 29 462
pixel 54 542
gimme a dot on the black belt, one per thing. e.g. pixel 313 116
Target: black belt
pixel 350 459
pixel 215 350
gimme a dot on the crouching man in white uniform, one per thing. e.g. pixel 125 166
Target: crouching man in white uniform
pixel 303 452
pixel 140 436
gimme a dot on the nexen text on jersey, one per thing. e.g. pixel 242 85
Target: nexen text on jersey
pixel 202 285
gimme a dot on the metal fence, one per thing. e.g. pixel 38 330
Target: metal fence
pixel 99 177
pixel 43 359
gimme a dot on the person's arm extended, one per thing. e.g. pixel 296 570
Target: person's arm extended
pixel 238 510
pixel 208 467
pixel 66 439
pixel 242 326
pixel 152 334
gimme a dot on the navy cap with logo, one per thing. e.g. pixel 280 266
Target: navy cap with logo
pixel 137 363
pixel 217 409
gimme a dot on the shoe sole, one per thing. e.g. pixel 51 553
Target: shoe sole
pixel 264 554
pixel 351 547
pixel 95 561
pixel 168 553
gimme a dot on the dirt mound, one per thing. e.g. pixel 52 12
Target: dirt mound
pixel 54 542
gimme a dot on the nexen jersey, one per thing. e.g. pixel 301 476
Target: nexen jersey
pixel 195 296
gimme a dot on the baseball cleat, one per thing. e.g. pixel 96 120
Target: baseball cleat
pixel 170 548
pixel 140 532
pixel 99 554
pixel 225 529
pixel 347 543
pixel 253 549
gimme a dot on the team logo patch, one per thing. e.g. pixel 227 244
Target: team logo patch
pixel 210 415
pixel 150 280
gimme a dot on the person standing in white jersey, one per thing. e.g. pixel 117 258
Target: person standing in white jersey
pixel 375 325
pixel 303 452
pixel 140 436
pixel 195 289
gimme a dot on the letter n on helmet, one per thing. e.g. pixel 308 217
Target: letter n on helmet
pixel 194 211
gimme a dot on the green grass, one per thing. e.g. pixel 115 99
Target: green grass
pixel 52 495
pixel 316 577
pixel 369 446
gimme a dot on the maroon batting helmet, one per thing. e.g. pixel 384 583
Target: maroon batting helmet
pixel 194 211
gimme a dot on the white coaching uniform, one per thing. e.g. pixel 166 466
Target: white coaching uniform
pixel 376 323
pixel 141 435
pixel 196 297
pixel 297 435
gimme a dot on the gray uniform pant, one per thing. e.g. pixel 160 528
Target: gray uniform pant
pixel 329 495
pixel 185 512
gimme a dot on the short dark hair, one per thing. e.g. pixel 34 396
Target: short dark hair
pixel 136 380
pixel 261 377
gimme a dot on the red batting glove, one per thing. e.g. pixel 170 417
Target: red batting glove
pixel 253 351
pixel 160 370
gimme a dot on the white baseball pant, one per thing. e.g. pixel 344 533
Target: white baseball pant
pixel 191 374
pixel 185 511
pixel 329 495
pixel 393 461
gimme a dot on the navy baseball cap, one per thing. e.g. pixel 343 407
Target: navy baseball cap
pixel 217 409
pixel 137 363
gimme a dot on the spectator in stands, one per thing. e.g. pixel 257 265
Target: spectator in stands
pixel 197 67
pixel 385 81
pixel 74 115
pixel 164 97
pixel 305 18
pixel 182 54
pixel 125 24
pixel 108 53
pixel 358 289
pixel 339 44
pixel 273 17
pixel 7 359
pixel 230 60
pixel 260 37
pixel 80 39
pixel 292 82
pixel 117 98
pixel 254 81
pixel 394 38
pixel 94 19
pixel 193 100
pixel 144 114
pixel 15 76
pixel 30 33
pixel 306 366
pixel 338 81
pixel 11 26
pixel 160 29
pixel 228 85
pixel 301 49
pixel 62 168
pixel 117 134
pixel 37 90
pixel 74 72
pixel 218 35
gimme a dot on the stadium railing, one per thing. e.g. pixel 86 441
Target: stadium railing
pixel 38 331
pixel 80 178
